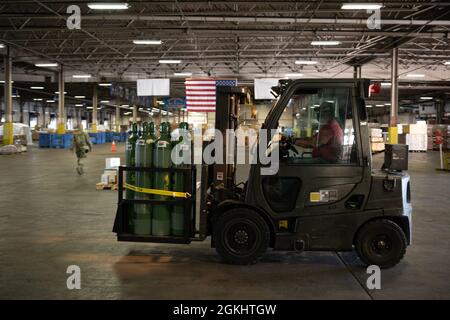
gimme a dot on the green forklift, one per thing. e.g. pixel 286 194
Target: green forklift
pixel 325 195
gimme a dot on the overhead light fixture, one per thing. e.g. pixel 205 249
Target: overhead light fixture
pixel 379 105
pixel 80 97
pixel 45 65
pixel 79 105
pixel 37 99
pixel 385 84
pixel 57 92
pixel 182 74
pixel 2 45
pixel 81 76
pixel 325 43
pixel 15 96
pixel 104 101
pixel 387 104
pixel 108 6
pixel 37 88
pixel 426 98
pixel 361 6
pixel 369 106
pixel 447 63
pixel 127 113
pixel 170 61
pixel 306 62
pixel 156 42
pixel 125 105
pixel 294 75
pixel 50 101
pixel 415 75
pixel 105 84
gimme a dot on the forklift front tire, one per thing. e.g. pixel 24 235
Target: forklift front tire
pixel 381 242
pixel 241 236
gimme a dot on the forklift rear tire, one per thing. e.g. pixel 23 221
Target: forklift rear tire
pixel 381 242
pixel 241 236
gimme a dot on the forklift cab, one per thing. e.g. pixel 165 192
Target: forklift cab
pixel 325 194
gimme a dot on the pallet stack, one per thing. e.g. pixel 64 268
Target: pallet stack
pixel 376 140
pixel 109 176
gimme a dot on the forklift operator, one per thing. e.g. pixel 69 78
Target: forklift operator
pixel 327 142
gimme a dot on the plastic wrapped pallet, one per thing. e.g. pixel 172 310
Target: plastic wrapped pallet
pixel 417 142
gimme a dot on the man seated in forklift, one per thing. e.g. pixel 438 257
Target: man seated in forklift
pixel 326 143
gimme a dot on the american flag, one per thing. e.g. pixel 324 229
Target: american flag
pixel 201 93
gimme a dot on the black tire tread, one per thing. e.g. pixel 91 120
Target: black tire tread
pixel 371 224
pixel 239 212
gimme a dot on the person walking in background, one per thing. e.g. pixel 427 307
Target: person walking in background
pixel 82 145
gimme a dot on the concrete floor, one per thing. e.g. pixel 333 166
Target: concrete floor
pixel 51 218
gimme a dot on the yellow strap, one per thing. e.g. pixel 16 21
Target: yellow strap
pixel 159 192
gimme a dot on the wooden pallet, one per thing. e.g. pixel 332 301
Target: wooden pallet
pixel 102 186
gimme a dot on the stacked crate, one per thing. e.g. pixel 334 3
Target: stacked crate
pixel 98 137
pixel 63 141
pixel 376 139
pixel 44 140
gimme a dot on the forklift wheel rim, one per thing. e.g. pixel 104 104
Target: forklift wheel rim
pixel 242 237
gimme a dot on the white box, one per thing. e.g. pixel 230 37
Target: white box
pixel 417 142
pixel 105 179
pixel 112 175
pixel 112 163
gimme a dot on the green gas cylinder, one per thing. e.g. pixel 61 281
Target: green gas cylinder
pixel 130 160
pixel 181 140
pixel 130 176
pixel 144 155
pixel 161 181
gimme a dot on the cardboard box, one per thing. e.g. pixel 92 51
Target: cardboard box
pixel 112 175
pixel 112 163
pixel 105 179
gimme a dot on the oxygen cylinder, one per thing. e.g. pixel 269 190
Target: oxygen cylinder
pixel 130 177
pixel 181 140
pixel 144 155
pixel 130 160
pixel 161 180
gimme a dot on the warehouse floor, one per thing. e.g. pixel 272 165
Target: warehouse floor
pixel 51 218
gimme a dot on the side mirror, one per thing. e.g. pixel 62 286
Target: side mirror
pixel 362 109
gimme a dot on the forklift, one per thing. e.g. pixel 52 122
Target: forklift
pixel 325 196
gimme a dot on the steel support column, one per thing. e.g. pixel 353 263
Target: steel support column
pixel 393 131
pixel 8 137
pixel 117 119
pixel 61 128
pixel 94 109
pixel 135 109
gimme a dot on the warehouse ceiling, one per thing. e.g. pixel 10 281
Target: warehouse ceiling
pixel 242 39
